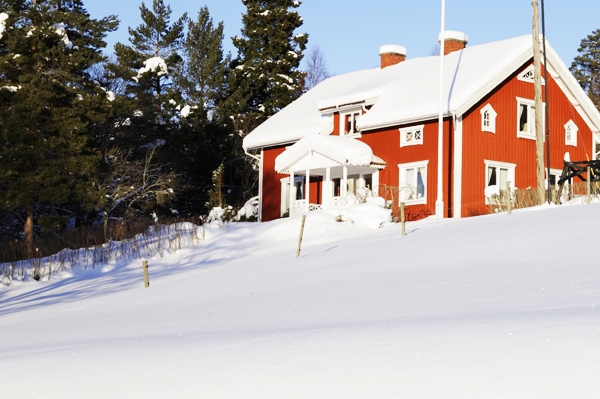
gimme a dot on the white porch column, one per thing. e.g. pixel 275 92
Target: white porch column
pixel 307 191
pixel 327 187
pixel 375 183
pixel 292 193
pixel 344 181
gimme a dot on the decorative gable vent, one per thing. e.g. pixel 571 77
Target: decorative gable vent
pixel 528 75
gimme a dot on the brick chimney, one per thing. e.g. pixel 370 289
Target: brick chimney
pixel 453 41
pixel 391 54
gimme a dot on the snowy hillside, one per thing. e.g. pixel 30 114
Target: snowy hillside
pixel 499 306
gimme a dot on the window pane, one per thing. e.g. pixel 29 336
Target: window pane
pixel 503 178
pixel 491 176
pixel 409 183
pixel 420 183
pixel 523 118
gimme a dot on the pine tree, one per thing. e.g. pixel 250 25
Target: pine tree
pixel 149 62
pixel 266 71
pixel 586 66
pixel 49 106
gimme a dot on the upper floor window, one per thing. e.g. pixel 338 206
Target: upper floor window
pixel 488 119
pixel 348 122
pixel 411 135
pixel 571 133
pixel 526 118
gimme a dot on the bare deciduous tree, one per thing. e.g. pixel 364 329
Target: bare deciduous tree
pixel 316 68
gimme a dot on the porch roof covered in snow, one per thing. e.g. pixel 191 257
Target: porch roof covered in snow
pixel 317 151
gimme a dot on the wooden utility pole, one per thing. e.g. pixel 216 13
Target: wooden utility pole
pixel 537 84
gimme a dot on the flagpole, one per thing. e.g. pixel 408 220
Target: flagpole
pixel 439 204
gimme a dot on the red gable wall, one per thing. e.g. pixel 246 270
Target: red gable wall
pixel 505 146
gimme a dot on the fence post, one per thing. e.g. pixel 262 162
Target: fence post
pixel 509 198
pixel 588 186
pixel 402 219
pixel 301 234
pixel 146 278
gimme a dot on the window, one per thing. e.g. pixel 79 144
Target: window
pixel 348 123
pixel 488 119
pixel 526 118
pixel 411 136
pixel 413 182
pixel 497 174
pixel 554 176
pixel 571 133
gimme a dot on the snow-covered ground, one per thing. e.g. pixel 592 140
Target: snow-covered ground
pixel 500 306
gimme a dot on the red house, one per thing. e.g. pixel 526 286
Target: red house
pixel 378 128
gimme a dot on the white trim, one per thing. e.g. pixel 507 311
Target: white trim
pixel 415 133
pixel 413 165
pixel 572 141
pixel 458 160
pixel 492 118
pixel 530 132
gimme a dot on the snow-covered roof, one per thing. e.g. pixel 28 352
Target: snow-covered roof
pixel 409 91
pixel 338 149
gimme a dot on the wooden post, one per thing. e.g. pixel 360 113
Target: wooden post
pixel 588 186
pixel 146 278
pixel 301 234
pixel 508 198
pixel 402 219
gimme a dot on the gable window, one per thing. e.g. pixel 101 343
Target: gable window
pixel 571 133
pixel 497 175
pixel 488 119
pixel 413 182
pixel 526 118
pixel 411 136
pixel 348 123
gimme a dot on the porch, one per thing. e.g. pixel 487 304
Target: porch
pixel 326 172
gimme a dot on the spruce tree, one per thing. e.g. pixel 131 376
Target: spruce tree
pixel 586 66
pixel 266 75
pixel 264 79
pixel 49 106
pixel 203 140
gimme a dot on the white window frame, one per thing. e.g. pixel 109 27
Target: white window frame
pixel 571 139
pixel 553 172
pixel 527 75
pixel 530 132
pixel 488 124
pixel 511 169
pixel 403 170
pixel 354 115
pixel 411 135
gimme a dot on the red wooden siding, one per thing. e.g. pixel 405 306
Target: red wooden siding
pixel 385 144
pixel 505 146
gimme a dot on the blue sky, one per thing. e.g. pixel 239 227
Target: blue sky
pixel 350 32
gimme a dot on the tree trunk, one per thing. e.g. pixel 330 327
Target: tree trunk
pixel 28 231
